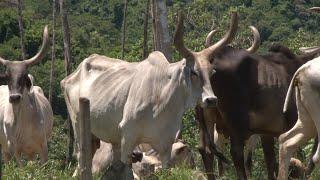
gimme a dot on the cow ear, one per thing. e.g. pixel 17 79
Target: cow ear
pixel 187 75
pixel 3 78
pixel 28 83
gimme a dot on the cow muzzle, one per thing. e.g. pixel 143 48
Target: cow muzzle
pixel 209 102
pixel 15 98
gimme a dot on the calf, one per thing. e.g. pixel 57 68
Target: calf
pixel 25 113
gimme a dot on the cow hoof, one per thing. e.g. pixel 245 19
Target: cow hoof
pixel 118 171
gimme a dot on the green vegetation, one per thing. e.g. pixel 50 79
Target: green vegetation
pixel 95 28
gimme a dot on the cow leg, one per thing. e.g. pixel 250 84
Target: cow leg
pixel 269 155
pixel 303 130
pixel 165 155
pixel 6 156
pixel 248 162
pixel 250 146
pixel 236 150
pixel 17 155
pixel 128 143
pixel 118 170
pixel 288 144
pixel 76 130
pixel 219 141
pixel 31 156
pixel 44 153
pixel 207 156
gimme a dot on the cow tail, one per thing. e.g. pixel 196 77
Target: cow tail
pixel 289 93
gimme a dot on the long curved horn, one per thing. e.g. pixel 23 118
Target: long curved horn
pixel 209 37
pixel 178 40
pixel 256 40
pixel 43 51
pixel 228 37
pixel 315 9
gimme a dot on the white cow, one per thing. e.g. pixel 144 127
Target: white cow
pixel 26 116
pixel 306 83
pixel 142 102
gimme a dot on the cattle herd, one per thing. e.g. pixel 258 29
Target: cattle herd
pixel 136 108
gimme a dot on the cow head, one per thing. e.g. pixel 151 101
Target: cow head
pixel 200 63
pixel 16 75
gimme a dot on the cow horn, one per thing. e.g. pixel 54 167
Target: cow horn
pixel 3 61
pixel 228 37
pixel 178 40
pixel 256 40
pixel 44 48
pixel 315 9
pixel 209 37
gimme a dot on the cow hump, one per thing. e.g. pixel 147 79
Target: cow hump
pixel 157 58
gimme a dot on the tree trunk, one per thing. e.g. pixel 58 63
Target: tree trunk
pixel 53 53
pixel 23 49
pixel 145 29
pixel 66 37
pixel 124 28
pixel 67 60
pixel 161 37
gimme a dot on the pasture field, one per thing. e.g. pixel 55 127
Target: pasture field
pixel 54 169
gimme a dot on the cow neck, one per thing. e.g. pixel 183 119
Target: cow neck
pixel 184 85
pixel 24 108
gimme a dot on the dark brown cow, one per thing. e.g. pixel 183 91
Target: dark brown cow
pixel 207 128
pixel 251 91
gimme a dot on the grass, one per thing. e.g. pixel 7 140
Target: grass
pixel 54 169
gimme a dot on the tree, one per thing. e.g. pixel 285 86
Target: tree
pixel 21 31
pixel 124 28
pixel 68 66
pixel 53 53
pixel 161 37
pixel 145 29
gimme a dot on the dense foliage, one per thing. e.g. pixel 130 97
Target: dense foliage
pixel 96 28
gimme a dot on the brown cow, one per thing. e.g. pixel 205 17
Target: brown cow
pixel 207 129
pixel 251 91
